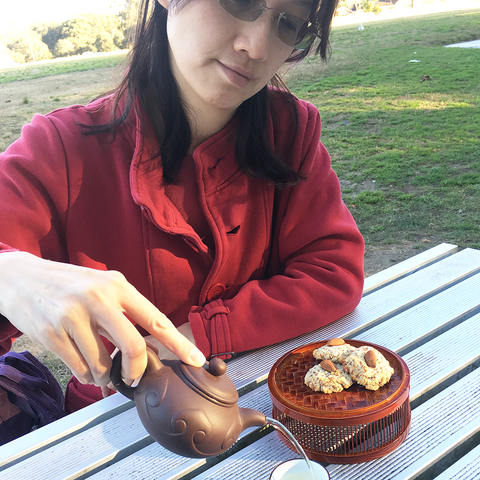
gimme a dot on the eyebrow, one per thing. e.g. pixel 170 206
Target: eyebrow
pixel 306 4
pixel 303 4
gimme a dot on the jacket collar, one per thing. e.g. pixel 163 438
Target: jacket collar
pixel 214 162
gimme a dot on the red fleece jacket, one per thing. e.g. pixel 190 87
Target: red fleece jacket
pixel 285 263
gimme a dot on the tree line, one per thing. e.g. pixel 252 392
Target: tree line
pixel 85 33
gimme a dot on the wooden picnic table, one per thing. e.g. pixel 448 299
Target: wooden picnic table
pixel 426 309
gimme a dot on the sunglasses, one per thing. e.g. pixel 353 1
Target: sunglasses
pixel 292 30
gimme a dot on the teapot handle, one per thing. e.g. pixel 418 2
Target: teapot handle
pixel 154 363
pixel 116 377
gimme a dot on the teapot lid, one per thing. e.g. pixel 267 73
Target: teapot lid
pixel 211 382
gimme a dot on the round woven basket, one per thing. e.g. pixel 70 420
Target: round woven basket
pixel 356 425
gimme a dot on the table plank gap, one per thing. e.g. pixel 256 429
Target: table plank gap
pixel 81 453
pixel 54 433
pixel 407 267
pixel 467 468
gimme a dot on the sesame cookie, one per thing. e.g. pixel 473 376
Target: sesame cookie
pixel 371 370
pixel 335 353
pixel 319 379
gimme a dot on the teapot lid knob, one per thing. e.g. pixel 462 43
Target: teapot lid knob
pixel 217 366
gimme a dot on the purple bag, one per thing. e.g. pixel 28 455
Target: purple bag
pixel 30 396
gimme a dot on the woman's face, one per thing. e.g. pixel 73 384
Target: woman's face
pixel 219 61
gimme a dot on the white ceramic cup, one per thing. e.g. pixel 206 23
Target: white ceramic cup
pixel 298 470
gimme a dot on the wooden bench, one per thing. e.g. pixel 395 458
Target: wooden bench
pixel 439 286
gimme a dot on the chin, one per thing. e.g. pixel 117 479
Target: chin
pixel 231 101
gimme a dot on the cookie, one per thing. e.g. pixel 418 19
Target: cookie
pixel 371 377
pixel 335 353
pixel 321 380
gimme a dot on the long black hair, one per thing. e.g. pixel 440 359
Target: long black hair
pixel 148 61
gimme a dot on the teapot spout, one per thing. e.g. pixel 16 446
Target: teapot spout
pixel 252 418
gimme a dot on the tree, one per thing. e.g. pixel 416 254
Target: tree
pixel 5 59
pixel 104 42
pixel 63 48
pixel 50 32
pixel 90 33
pixel 83 33
pixel 27 46
pixel 128 17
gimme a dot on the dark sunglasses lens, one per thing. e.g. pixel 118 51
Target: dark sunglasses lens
pixel 290 28
pixel 247 10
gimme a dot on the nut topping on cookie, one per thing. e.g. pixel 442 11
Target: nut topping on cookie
pixel 333 342
pixel 329 366
pixel 371 359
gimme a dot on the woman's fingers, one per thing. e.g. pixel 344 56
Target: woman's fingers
pixel 65 349
pixel 68 308
pixel 107 390
pixel 157 324
pixel 90 346
pixel 117 328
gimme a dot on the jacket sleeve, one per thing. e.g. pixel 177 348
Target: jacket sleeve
pixel 315 273
pixel 33 202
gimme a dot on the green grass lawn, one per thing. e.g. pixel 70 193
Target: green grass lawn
pixel 404 136
pixel 59 66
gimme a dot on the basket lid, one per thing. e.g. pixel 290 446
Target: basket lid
pixel 292 397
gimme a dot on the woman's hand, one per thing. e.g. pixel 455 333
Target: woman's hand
pixel 161 350
pixel 66 308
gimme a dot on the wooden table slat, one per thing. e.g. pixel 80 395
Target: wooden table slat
pixel 406 267
pixel 254 462
pixel 84 452
pixel 413 327
pixel 467 468
pixel 58 431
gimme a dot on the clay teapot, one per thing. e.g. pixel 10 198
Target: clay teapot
pixel 191 411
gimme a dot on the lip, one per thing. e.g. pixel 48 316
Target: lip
pixel 237 74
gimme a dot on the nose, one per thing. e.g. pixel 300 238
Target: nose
pixel 255 37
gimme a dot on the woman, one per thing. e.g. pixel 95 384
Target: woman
pixel 209 191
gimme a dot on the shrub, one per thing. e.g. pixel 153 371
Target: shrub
pixel 370 6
